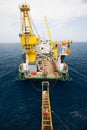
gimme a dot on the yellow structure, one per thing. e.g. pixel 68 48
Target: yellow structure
pixel 46 108
pixel 51 44
pixel 28 39
pixel 54 45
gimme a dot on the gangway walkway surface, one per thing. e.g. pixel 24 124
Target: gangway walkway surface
pixel 46 108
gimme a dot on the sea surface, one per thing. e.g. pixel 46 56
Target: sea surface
pixel 20 101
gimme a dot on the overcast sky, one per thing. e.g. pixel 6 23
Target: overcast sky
pixel 67 19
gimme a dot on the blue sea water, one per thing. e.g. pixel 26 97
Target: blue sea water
pixel 20 101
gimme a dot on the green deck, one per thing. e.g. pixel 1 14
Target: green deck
pixel 64 77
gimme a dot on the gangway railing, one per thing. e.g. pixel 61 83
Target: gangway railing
pixel 46 108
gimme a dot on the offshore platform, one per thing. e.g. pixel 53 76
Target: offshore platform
pixel 42 60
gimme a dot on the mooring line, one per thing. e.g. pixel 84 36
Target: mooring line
pixel 37 89
pixel 78 73
pixel 60 120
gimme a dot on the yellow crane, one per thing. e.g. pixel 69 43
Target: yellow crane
pixel 50 37
pixel 54 45
pixel 28 39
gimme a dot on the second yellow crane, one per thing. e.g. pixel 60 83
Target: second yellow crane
pixel 53 45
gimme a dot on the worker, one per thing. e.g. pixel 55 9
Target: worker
pixel 46 113
pixel 45 72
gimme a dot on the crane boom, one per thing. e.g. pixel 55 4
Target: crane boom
pixel 50 37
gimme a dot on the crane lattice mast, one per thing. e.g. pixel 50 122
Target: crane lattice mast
pixel 28 39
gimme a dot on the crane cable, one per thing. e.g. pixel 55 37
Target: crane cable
pixel 34 25
pixel 60 120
